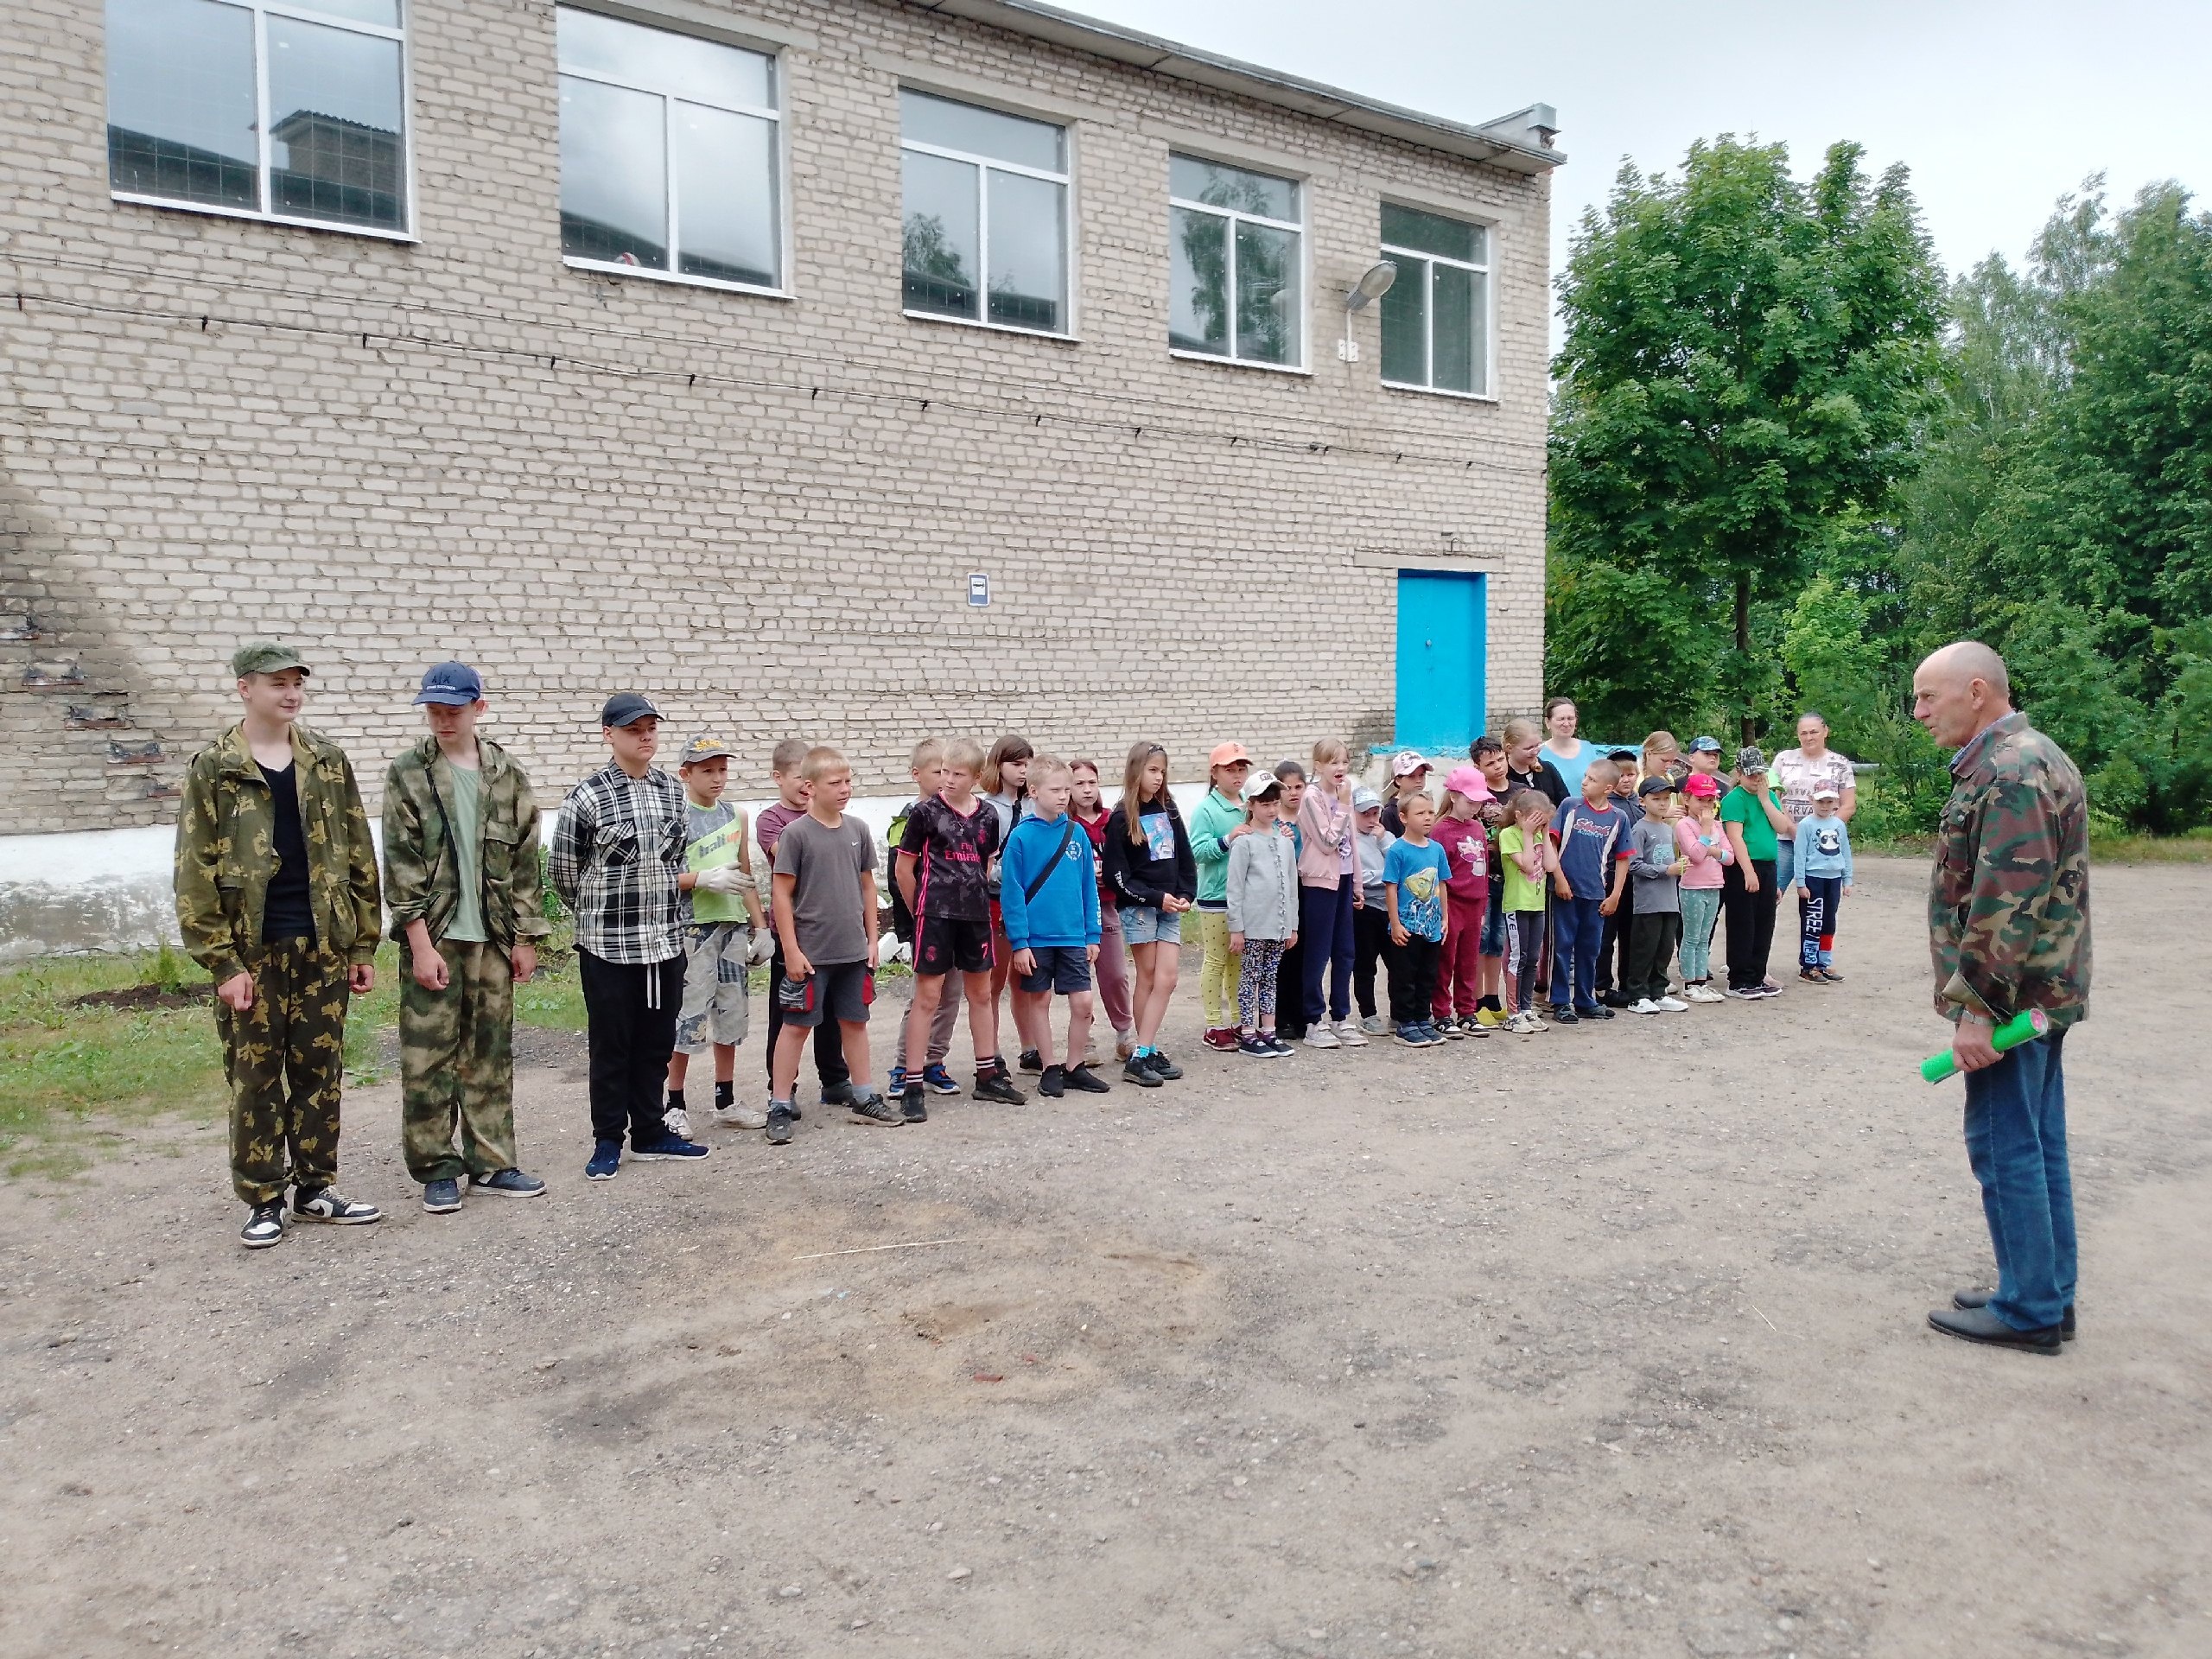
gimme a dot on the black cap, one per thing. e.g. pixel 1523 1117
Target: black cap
pixel 1621 755
pixel 627 708
pixel 1662 785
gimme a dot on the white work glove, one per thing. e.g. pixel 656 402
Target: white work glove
pixel 725 879
pixel 763 946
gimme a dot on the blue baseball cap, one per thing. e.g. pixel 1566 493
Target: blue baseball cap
pixel 451 683
pixel 626 708
pixel 1705 745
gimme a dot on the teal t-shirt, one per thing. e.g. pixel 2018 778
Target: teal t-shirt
pixel 1741 806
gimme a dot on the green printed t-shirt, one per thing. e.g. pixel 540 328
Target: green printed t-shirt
pixel 1522 891
pixel 1743 807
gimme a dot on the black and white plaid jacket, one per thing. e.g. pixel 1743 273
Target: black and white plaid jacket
pixel 614 860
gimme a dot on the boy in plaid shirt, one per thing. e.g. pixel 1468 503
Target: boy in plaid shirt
pixel 617 860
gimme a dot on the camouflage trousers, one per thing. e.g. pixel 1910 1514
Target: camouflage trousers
pixel 457 1065
pixel 285 1060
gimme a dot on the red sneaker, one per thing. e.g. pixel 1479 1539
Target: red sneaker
pixel 1222 1037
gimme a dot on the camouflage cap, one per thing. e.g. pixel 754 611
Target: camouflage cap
pixel 265 657
pixel 705 748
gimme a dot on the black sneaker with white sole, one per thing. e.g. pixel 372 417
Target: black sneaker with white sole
pixel 328 1205
pixel 265 1225
pixel 872 1108
pixel 781 1119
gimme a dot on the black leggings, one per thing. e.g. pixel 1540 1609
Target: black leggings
pixel 1370 935
pixel 1529 942
pixel 1751 923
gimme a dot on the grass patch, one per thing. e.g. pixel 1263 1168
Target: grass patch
pixel 2195 847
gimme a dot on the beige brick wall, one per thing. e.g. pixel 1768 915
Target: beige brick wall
pixel 393 452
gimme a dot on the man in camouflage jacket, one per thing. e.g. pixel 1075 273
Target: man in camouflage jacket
pixel 276 897
pixel 2008 922
pixel 460 875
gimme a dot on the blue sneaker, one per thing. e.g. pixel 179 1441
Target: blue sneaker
pixel 1411 1037
pixel 605 1159
pixel 939 1078
pixel 666 1149
pixel 897 1086
pixel 508 1184
pixel 440 1198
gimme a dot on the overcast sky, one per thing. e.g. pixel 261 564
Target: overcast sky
pixel 1998 106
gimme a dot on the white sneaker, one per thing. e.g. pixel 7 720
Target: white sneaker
pixel 677 1122
pixel 1643 1005
pixel 740 1116
pixel 1349 1034
pixel 1322 1036
pixel 1672 1004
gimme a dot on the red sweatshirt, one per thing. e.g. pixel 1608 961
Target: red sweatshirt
pixel 1467 844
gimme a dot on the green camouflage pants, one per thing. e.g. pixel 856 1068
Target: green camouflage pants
pixel 295 1034
pixel 457 1065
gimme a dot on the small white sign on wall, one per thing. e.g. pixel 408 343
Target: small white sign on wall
pixel 979 588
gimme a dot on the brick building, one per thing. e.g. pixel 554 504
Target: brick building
pixel 733 350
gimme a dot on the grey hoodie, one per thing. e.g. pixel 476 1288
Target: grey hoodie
pixel 1263 884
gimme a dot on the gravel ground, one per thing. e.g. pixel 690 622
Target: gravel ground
pixel 1608 1342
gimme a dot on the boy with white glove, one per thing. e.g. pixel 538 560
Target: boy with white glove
pixel 725 935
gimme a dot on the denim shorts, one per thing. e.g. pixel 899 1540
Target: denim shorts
pixel 1493 939
pixel 1148 925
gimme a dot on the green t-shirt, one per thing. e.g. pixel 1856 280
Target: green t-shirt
pixel 1741 806
pixel 468 924
pixel 1522 891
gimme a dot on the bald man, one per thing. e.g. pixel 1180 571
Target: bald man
pixel 2008 922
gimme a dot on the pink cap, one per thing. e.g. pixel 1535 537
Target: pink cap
pixel 1406 762
pixel 1470 782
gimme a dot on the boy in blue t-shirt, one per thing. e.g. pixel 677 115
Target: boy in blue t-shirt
pixel 1822 872
pixel 1414 872
pixel 1591 835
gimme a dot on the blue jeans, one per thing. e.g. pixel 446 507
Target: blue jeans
pixel 1325 935
pixel 2015 1141
pixel 1785 862
pixel 1577 929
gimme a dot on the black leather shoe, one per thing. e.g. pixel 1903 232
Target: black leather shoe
pixel 1970 1299
pixel 1979 1324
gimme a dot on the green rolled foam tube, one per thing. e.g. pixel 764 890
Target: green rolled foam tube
pixel 2023 1027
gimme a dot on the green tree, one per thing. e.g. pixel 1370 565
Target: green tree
pixel 2063 508
pixel 1748 361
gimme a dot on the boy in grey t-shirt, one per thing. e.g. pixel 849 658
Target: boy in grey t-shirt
pixel 1655 867
pixel 825 907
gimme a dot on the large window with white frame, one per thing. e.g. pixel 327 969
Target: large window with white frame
pixel 985 231
pixel 670 157
pixel 1436 318
pixel 288 109
pixel 1237 263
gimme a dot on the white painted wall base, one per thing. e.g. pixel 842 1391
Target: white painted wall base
pixel 98 891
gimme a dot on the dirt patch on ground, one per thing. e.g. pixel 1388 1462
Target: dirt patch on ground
pixel 1608 1342
pixel 139 999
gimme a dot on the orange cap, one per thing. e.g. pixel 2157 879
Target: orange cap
pixel 1227 754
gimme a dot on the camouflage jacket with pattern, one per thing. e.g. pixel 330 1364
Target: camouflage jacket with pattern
pixel 421 880
pixel 2008 900
pixel 226 852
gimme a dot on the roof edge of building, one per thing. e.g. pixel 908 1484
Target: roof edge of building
pixel 1512 142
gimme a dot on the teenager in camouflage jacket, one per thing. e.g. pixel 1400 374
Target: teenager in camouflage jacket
pixel 227 853
pixel 2008 904
pixel 420 877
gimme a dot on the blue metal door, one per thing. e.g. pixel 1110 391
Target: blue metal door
pixel 1442 625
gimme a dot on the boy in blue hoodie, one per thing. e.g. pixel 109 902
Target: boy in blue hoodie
pixel 1048 896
